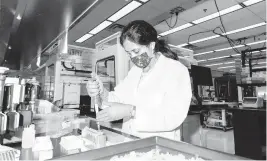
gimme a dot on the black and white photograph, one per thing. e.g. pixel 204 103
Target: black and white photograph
pixel 132 80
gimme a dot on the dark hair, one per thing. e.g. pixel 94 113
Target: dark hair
pixel 143 33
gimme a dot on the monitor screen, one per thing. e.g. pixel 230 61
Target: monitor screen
pixel 201 75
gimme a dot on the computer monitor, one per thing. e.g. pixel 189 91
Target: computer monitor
pixel 201 75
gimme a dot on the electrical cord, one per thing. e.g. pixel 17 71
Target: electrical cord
pixel 172 26
pixel 224 30
pixel 188 40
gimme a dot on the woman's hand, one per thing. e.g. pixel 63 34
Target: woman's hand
pixel 94 86
pixel 114 111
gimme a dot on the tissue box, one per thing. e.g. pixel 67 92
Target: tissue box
pixel 71 144
pixel 43 148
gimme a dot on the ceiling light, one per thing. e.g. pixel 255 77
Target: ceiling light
pixel 226 67
pixel 100 27
pixel 251 2
pixel 218 58
pixel 124 11
pixel 206 18
pixel 259 67
pixel 257 42
pixel 201 60
pixel 204 39
pixel 232 70
pixel 214 15
pixel 203 53
pixel 230 9
pixel 238 46
pixel 214 64
pixel 244 28
pixel 83 38
pixel 19 17
pixel 182 45
pixel 236 55
pixel 227 33
pixel 176 29
pixel 144 0
pixel 9 47
pixel 230 62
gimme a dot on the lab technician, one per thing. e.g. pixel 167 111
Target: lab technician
pixel 154 98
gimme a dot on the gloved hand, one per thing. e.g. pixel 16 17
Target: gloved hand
pixel 114 111
pixel 94 86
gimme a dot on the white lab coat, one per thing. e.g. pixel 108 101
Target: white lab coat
pixel 162 99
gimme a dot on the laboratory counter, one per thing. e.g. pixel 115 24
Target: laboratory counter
pixel 117 143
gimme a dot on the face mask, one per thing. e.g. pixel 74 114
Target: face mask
pixel 141 61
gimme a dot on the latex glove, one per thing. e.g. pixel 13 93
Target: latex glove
pixel 94 86
pixel 114 111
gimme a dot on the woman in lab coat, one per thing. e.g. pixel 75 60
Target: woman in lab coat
pixel 154 98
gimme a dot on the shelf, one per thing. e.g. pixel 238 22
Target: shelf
pixel 252 84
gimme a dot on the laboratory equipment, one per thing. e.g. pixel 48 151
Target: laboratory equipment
pixel 252 102
pixel 217 118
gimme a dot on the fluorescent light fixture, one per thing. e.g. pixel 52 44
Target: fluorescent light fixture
pixel 124 11
pixel 251 2
pixel 218 58
pixel 83 38
pixel 230 9
pixel 144 0
pixel 230 62
pixel 257 42
pixel 261 63
pixel 236 55
pixel 176 29
pixel 19 17
pixel 259 67
pixel 232 70
pixel 100 27
pixel 201 60
pixel 227 33
pixel 214 64
pixel 238 46
pixel 214 15
pixel 206 18
pixel 203 53
pixel 182 45
pixel 244 28
pixel 226 67
pixel 204 39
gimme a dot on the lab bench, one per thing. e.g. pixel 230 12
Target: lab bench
pixel 121 143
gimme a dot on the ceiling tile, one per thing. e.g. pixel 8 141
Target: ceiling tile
pixel 99 14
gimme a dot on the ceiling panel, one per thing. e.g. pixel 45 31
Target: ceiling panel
pixel 144 12
pixel 102 12
pixel 93 40
pixel 206 9
pixel 182 37
pixel 259 9
pixel 248 33
pixel 162 27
